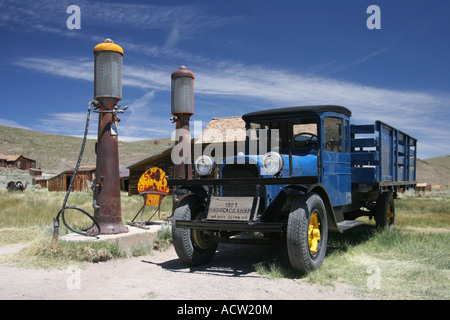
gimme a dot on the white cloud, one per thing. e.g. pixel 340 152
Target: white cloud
pixel 281 87
pixel 11 123
pixel 173 37
pixel 336 66
pixel 419 114
pixel 48 16
pixel 74 69
pixel 179 23
pixel 70 123
pixel 80 69
pixel 142 119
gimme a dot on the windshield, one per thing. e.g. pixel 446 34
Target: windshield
pixel 273 135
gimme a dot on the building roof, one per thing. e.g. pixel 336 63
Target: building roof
pixel 14 157
pixel 81 169
pixel 124 172
pixel 228 129
pixel 155 156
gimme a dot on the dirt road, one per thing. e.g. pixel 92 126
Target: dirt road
pixel 161 276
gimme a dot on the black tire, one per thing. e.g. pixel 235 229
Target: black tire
pixel 385 211
pixel 302 254
pixel 192 246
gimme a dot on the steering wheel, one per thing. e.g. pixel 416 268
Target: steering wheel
pixel 308 142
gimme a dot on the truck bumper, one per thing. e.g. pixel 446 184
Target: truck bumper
pixel 229 225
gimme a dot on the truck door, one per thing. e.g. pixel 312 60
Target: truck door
pixel 335 159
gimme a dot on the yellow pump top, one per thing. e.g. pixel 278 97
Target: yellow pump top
pixel 108 45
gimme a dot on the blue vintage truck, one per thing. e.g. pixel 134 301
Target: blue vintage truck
pixel 318 174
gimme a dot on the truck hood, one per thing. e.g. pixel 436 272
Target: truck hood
pixel 301 165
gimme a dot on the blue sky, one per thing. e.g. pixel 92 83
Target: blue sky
pixel 246 56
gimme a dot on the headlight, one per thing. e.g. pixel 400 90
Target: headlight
pixel 272 163
pixel 204 165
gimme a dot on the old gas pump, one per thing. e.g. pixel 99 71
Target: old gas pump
pixel 107 217
pixel 108 92
pixel 182 109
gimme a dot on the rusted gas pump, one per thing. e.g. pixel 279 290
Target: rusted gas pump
pixel 108 92
pixel 182 109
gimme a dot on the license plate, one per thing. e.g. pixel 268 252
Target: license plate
pixel 230 208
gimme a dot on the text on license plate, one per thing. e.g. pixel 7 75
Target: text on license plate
pixel 230 208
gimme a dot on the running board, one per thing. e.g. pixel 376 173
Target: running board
pixel 347 224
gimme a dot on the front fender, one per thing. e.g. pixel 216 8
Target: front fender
pixel 322 192
pixel 281 205
pixel 181 192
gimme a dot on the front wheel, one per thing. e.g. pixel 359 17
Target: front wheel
pixel 194 247
pixel 307 233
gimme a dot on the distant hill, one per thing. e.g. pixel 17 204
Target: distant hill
pixel 55 153
pixel 434 170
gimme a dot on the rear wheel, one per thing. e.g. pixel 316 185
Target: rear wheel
pixel 307 233
pixel 194 247
pixel 385 211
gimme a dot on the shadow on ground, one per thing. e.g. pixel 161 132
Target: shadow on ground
pixel 235 260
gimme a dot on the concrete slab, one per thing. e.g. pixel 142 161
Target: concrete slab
pixel 133 238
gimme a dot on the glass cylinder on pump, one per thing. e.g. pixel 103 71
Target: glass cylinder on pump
pixel 108 71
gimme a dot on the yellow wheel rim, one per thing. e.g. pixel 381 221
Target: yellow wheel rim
pixel 198 240
pixel 390 215
pixel 313 233
pixel 197 236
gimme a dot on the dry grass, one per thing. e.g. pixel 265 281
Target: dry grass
pixel 411 261
pixel 28 218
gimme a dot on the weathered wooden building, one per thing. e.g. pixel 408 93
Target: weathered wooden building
pixel 61 181
pixel 222 137
pixel 41 181
pixel 18 161
pixel 35 172
pixel 124 174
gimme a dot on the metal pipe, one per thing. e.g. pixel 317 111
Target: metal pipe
pixel 95 230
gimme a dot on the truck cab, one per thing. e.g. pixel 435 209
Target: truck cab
pixel 313 141
pixel 294 183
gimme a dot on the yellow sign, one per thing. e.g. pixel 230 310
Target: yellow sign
pixel 154 179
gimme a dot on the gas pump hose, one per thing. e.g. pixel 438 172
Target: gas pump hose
pixel 64 207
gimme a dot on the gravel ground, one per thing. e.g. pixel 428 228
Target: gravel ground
pixel 162 276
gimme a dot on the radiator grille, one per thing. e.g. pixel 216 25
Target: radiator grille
pixel 239 171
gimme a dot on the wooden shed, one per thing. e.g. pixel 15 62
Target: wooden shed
pixel 421 188
pixel 124 174
pixel 19 161
pixel 61 181
pixel 41 181
pixel 35 172
pixel 230 130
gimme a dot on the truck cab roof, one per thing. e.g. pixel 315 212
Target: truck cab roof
pixel 296 111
